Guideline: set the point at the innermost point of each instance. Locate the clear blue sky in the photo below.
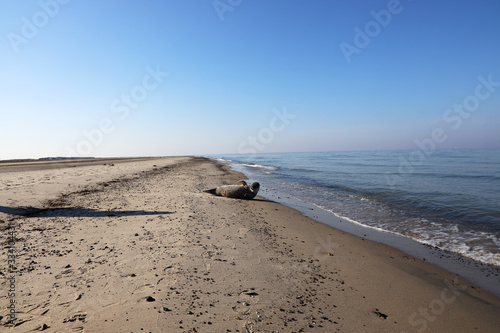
(76, 76)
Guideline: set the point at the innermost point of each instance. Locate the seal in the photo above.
(242, 191)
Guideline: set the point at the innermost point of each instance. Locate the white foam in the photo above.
(260, 166)
(463, 244)
(440, 239)
(354, 221)
(223, 160)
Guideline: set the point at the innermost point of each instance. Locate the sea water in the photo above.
(449, 199)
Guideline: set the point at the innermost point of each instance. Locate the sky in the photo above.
(201, 77)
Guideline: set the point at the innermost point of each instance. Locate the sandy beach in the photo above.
(135, 245)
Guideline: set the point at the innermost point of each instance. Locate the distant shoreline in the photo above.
(24, 160)
(57, 163)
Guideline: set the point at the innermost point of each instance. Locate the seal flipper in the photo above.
(211, 191)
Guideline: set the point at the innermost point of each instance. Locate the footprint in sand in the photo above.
(249, 299)
(119, 285)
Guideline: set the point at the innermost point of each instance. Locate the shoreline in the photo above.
(484, 275)
(139, 246)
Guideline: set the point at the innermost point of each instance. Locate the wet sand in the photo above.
(138, 247)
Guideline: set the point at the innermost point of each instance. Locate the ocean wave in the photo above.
(479, 246)
(259, 166)
(223, 160)
(435, 175)
(477, 252)
(304, 170)
(459, 176)
(351, 220)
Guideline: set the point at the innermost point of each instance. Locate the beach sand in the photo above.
(136, 246)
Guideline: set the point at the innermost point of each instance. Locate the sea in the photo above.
(447, 199)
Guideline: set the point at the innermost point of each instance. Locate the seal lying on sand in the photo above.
(236, 191)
